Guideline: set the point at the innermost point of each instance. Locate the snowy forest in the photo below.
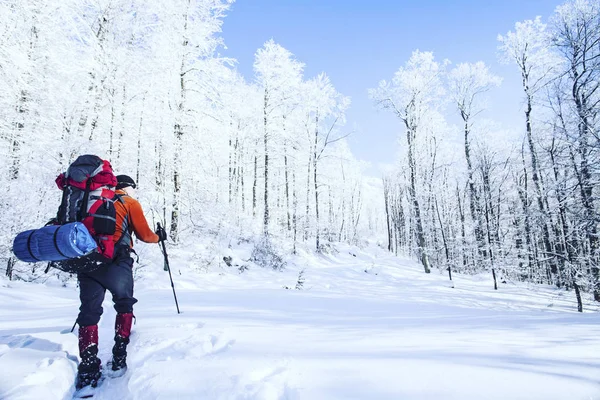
(526, 209)
(144, 85)
(145, 88)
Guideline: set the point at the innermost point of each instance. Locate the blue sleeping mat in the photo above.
(54, 243)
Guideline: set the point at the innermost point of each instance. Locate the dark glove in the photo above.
(53, 221)
(161, 233)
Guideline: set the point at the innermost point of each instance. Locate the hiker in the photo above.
(117, 277)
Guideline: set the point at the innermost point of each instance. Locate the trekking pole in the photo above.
(167, 268)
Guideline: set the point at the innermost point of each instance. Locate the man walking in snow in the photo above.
(117, 277)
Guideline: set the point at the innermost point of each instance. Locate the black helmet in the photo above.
(124, 181)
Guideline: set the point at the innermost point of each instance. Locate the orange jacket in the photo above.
(130, 218)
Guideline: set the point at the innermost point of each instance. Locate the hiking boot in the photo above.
(119, 360)
(122, 332)
(88, 370)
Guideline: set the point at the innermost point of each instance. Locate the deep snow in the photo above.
(367, 325)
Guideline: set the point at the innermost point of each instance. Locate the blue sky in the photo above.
(358, 43)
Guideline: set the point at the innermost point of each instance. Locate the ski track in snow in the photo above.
(367, 326)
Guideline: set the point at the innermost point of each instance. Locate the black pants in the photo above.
(117, 277)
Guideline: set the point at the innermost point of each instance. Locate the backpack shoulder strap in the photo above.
(120, 199)
(82, 213)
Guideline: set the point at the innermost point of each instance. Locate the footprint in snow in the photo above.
(212, 345)
(190, 346)
(266, 384)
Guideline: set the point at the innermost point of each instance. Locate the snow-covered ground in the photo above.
(367, 325)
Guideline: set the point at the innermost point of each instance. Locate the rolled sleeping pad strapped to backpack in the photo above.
(54, 243)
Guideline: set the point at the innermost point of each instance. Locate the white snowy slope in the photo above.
(391, 332)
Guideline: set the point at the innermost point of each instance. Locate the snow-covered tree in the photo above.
(414, 90)
(467, 84)
(279, 76)
(528, 48)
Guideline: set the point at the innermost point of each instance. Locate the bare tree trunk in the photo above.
(489, 239)
(578, 296)
(318, 245)
(230, 165)
(235, 176)
(18, 135)
(176, 183)
(446, 251)
(485, 167)
(399, 220)
(122, 125)
(519, 243)
(160, 176)
(286, 174)
(397, 239)
(306, 220)
(461, 214)
(265, 141)
(341, 235)
(331, 217)
(9, 267)
(473, 195)
(241, 175)
(254, 184)
(537, 183)
(358, 214)
(386, 195)
(112, 125)
(295, 213)
(412, 189)
(179, 131)
(524, 197)
(279, 191)
(287, 187)
(565, 247)
(158, 167)
(591, 219)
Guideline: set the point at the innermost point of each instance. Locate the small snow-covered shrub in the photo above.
(243, 267)
(328, 248)
(243, 240)
(299, 282)
(265, 255)
(34, 272)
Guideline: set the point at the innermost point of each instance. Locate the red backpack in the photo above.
(88, 197)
